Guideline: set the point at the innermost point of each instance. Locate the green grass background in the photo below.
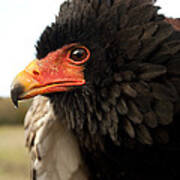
(14, 159)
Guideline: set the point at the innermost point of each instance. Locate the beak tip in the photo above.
(15, 101)
(16, 91)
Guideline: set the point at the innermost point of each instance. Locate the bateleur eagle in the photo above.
(108, 78)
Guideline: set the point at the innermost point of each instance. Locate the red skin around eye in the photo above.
(79, 62)
(56, 72)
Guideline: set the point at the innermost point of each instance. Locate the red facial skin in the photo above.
(56, 72)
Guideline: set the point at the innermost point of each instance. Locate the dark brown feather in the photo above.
(126, 116)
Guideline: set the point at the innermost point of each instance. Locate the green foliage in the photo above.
(9, 115)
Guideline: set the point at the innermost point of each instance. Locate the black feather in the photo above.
(126, 117)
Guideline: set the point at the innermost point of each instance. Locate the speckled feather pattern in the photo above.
(50, 159)
(126, 117)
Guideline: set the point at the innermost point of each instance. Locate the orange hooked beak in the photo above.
(55, 73)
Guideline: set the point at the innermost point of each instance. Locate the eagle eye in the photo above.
(79, 54)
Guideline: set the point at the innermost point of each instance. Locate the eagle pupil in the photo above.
(78, 54)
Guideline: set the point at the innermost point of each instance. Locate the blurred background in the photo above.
(22, 22)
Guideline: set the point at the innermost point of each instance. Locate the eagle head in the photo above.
(105, 65)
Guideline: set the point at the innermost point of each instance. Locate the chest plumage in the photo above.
(111, 75)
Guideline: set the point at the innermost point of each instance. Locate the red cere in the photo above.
(58, 67)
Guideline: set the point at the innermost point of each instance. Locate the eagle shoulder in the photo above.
(54, 150)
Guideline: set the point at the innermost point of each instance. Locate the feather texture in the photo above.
(53, 148)
(125, 119)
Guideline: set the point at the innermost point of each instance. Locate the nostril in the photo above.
(36, 73)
